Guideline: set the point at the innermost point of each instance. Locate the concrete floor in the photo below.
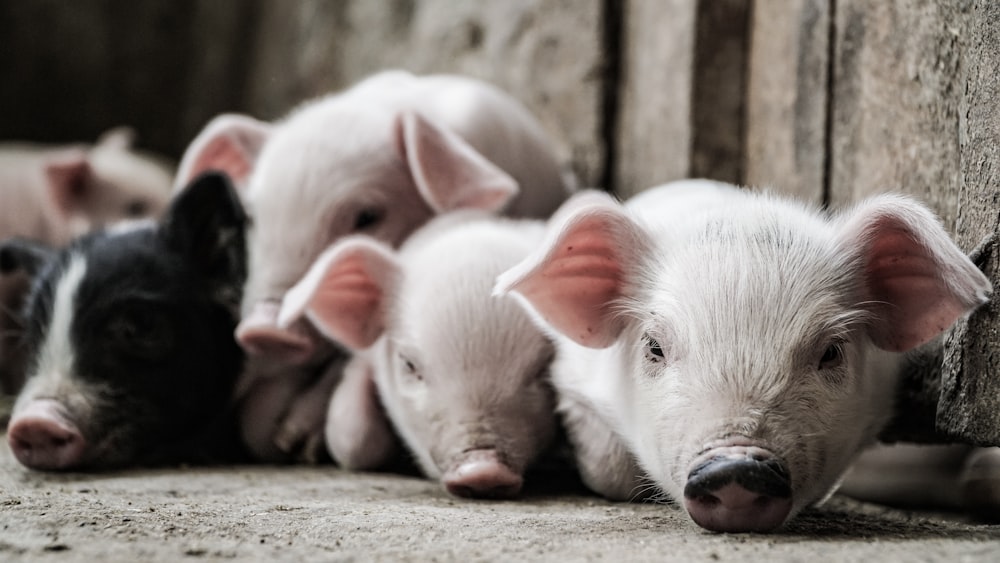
(322, 514)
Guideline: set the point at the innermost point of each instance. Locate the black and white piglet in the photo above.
(129, 336)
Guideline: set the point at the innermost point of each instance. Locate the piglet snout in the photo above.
(41, 437)
(739, 492)
(259, 335)
(481, 474)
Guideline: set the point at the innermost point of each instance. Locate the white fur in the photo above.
(54, 377)
(743, 292)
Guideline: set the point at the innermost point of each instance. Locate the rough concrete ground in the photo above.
(322, 514)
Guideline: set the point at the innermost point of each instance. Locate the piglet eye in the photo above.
(832, 357)
(367, 218)
(654, 352)
(410, 368)
(136, 208)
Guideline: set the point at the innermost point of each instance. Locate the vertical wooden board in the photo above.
(547, 53)
(970, 399)
(786, 100)
(653, 141)
(896, 91)
(718, 89)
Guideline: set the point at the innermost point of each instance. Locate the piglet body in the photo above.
(741, 348)
(462, 376)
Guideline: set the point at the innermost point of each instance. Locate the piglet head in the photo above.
(107, 183)
(130, 336)
(753, 346)
(461, 375)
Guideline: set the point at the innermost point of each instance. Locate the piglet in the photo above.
(380, 158)
(129, 337)
(463, 377)
(53, 194)
(741, 348)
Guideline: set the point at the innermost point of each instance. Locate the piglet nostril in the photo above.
(739, 495)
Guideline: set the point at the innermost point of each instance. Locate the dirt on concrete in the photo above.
(266, 513)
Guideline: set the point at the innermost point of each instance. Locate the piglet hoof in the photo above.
(484, 477)
(979, 484)
(726, 494)
(42, 438)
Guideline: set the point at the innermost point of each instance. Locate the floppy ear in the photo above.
(573, 281)
(206, 225)
(915, 280)
(448, 172)
(229, 143)
(345, 292)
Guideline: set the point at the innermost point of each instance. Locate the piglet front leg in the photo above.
(605, 465)
(359, 435)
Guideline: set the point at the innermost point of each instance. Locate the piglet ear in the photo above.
(344, 293)
(206, 224)
(447, 171)
(229, 143)
(575, 279)
(119, 138)
(70, 181)
(916, 281)
(23, 255)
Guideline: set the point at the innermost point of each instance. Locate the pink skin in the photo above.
(42, 437)
(258, 333)
(481, 474)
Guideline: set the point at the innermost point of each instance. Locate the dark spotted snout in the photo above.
(739, 492)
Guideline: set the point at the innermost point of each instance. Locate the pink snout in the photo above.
(739, 491)
(481, 474)
(41, 437)
(259, 335)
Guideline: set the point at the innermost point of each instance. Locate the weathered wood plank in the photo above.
(914, 110)
(970, 399)
(787, 98)
(680, 92)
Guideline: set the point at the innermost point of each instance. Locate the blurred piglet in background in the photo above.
(52, 194)
(741, 348)
(55, 193)
(463, 376)
(380, 159)
(129, 337)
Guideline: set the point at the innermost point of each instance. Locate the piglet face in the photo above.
(750, 376)
(469, 393)
(129, 336)
(754, 339)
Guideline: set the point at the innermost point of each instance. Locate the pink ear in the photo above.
(121, 138)
(447, 171)
(69, 175)
(344, 293)
(575, 279)
(230, 143)
(917, 281)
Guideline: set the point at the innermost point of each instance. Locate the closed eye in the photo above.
(367, 218)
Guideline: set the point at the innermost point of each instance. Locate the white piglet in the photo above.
(740, 347)
(463, 376)
(380, 159)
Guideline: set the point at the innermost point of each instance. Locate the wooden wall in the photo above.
(826, 100)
